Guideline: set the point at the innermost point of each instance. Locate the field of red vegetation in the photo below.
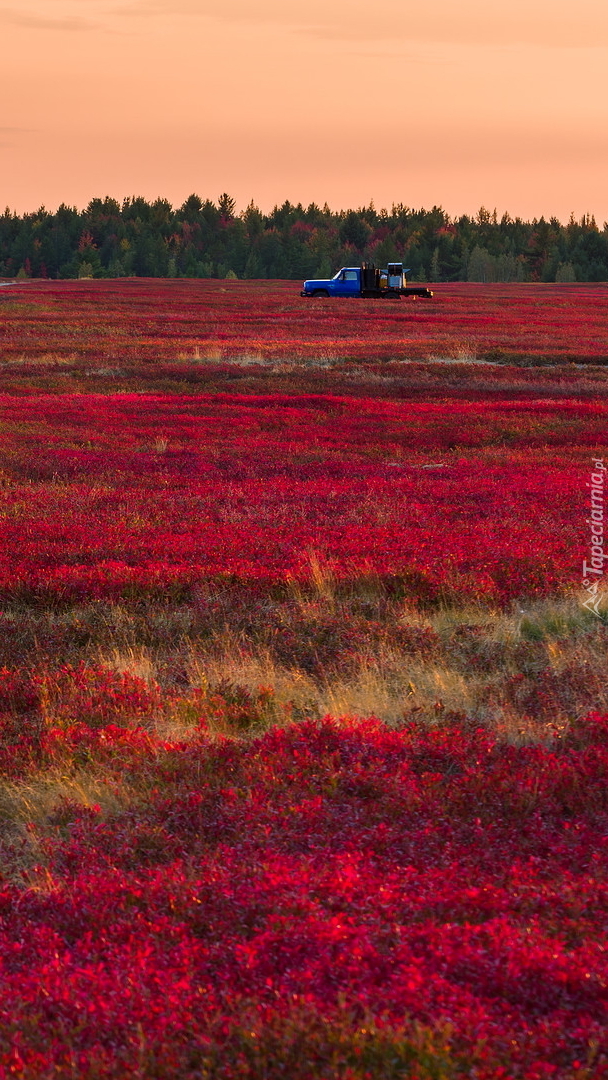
(205, 875)
(159, 320)
(114, 496)
(333, 900)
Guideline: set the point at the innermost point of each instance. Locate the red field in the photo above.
(123, 321)
(335, 900)
(116, 496)
(204, 875)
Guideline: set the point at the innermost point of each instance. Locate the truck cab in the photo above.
(347, 282)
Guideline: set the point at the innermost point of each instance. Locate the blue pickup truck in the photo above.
(365, 281)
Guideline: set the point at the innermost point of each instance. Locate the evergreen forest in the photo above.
(205, 238)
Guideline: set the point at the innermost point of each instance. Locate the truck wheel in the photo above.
(320, 292)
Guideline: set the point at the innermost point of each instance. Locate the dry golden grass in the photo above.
(37, 806)
(525, 674)
(326, 647)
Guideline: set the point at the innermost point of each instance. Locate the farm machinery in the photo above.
(366, 281)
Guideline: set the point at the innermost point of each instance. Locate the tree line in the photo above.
(203, 238)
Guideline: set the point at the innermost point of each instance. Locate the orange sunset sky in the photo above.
(451, 102)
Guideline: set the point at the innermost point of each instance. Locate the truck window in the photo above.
(350, 275)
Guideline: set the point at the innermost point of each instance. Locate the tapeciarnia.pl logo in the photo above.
(593, 571)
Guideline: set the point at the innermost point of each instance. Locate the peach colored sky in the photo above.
(452, 102)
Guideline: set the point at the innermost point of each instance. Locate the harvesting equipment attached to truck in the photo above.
(366, 281)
